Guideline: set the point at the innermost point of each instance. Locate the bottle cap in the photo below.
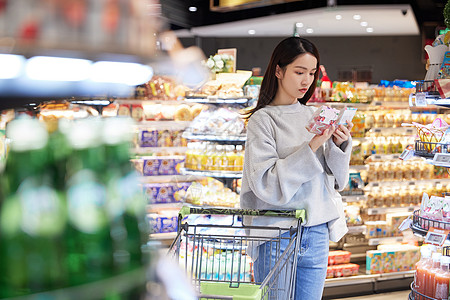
(26, 134)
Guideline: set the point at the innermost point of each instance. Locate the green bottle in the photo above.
(125, 199)
(88, 240)
(32, 216)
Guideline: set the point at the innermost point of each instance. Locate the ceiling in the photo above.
(328, 21)
(318, 18)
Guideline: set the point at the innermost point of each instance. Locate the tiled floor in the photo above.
(401, 295)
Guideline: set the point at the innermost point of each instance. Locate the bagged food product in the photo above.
(322, 119)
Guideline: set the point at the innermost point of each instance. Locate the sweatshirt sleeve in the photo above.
(272, 179)
(338, 162)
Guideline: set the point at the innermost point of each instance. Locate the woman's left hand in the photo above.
(342, 134)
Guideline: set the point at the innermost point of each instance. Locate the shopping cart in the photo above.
(218, 257)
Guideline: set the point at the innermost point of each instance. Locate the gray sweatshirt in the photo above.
(282, 172)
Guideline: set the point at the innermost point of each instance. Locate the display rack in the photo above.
(223, 139)
(427, 94)
(216, 100)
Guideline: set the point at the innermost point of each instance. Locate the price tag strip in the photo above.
(441, 159)
(436, 236)
(421, 99)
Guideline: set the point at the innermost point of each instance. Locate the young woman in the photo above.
(287, 167)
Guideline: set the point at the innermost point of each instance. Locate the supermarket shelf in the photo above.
(393, 130)
(168, 178)
(402, 182)
(217, 174)
(366, 284)
(388, 210)
(216, 100)
(169, 124)
(354, 198)
(428, 99)
(163, 236)
(358, 167)
(358, 279)
(156, 207)
(149, 150)
(383, 157)
(357, 229)
(149, 101)
(387, 240)
(214, 138)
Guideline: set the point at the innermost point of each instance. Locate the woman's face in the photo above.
(295, 80)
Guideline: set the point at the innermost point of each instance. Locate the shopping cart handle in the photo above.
(186, 210)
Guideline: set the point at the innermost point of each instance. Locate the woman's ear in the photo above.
(278, 72)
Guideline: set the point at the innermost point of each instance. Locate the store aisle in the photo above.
(399, 295)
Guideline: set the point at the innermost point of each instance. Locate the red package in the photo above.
(443, 86)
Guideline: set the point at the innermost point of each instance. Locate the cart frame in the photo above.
(216, 259)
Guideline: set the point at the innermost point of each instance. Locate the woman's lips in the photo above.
(303, 90)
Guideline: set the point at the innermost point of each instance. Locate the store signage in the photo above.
(436, 236)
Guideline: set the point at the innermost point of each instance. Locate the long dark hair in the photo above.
(284, 54)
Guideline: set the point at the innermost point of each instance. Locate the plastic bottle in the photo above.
(431, 272)
(442, 279)
(421, 269)
(239, 162)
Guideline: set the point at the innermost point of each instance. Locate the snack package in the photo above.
(346, 115)
(322, 119)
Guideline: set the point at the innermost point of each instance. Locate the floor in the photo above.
(400, 295)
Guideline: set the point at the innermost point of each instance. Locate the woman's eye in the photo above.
(299, 73)
(312, 74)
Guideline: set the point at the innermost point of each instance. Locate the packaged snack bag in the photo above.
(346, 115)
(322, 119)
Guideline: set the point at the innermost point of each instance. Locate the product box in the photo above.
(162, 223)
(155, 193)
(160, 165)
(373, 262)
(338, 257)
(343, 270)
(148, 138)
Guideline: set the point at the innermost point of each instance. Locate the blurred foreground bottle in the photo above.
(89, 244)
(32, 216)
(125, 202)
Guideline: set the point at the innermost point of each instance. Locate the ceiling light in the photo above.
(370, 29)
(11, 65)
(338, 17)
(299, 24)
(251, 31)
(356, 17)
(58, 68)
(309, 30)
(121, 72)
(192, 8)
(364, 24)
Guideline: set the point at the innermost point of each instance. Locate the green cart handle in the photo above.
(186, 210)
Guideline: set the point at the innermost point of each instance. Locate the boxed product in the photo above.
(159, 165)
(338, 257)
(391, 258)
(343, 270)
(155, 193)
(163, 222)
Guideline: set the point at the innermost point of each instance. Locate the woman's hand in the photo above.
(342, 134)
(319, 140)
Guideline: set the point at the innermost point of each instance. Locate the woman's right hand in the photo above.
(319, 140)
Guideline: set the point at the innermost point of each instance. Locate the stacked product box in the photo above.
(156, 193)
(339, 265)
(159, 165)
(392, 258)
